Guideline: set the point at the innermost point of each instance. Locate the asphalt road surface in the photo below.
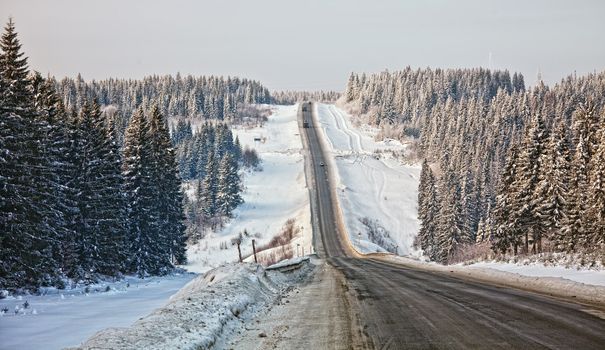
(403, 308)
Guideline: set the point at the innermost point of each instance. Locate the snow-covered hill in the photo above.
(377, 193)
(272, 196)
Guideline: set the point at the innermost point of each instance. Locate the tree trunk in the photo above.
(526, 245)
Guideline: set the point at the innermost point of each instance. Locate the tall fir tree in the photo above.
(28, 219)
(530, 167)
(549, 197)
(169, 199)
(139, 187)
(229, 186)
(428, 208)
(506, 233)
(596, 211)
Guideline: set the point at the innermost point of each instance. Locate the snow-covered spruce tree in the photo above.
(351, 89)
(181, 132)
(576, 228)
(450, 226)
(210, 189)
(506, 233)
(169, 199)
(98, 225)
(113, 212)
(229, 186)
(428, 208)
(469, 205)
(485, 228)
(549, 196)
(425, 174)
(574, 223)
(595, 240)
(56, 147)
(530, 167)
(140, 190)
(28, 216)
(586, 126)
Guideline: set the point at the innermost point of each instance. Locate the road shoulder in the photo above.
(318, 314)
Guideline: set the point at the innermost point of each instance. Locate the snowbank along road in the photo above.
(405, 308)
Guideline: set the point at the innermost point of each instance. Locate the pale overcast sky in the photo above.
(308, 44)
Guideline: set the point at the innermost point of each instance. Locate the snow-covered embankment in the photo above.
(205, 311)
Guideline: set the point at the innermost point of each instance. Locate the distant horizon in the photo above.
(528, 83)
(311, 47)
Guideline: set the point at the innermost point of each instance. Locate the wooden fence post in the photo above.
(254, 251)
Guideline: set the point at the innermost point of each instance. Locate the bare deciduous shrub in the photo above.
(472, 252)
(276, 255)
(379, 235)
(282, 239)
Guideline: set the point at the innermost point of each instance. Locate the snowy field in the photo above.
(271, 196)
(371, 183)
(62, 318)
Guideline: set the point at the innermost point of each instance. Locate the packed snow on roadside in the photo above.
(586, 276)
(377, 193)
(59, 318)
(271, 196)
(205, 311)
(582, 285)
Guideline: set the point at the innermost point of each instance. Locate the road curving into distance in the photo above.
(404, 308)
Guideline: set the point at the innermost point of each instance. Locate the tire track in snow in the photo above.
(349, 131)
(340, 129)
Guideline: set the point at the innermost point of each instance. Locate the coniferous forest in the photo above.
(512, 169)
(90, 172)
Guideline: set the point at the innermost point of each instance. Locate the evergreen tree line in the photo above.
(538, 186)
(552, 188)
(212, 140)
(203, 97)
(408, 97)
(211, 160)
(468, 122)
(72, 204)
(292, 97)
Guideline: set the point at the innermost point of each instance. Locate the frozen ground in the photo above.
(272, 196)
(373, 184)
(205, 311)
(63, 318)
